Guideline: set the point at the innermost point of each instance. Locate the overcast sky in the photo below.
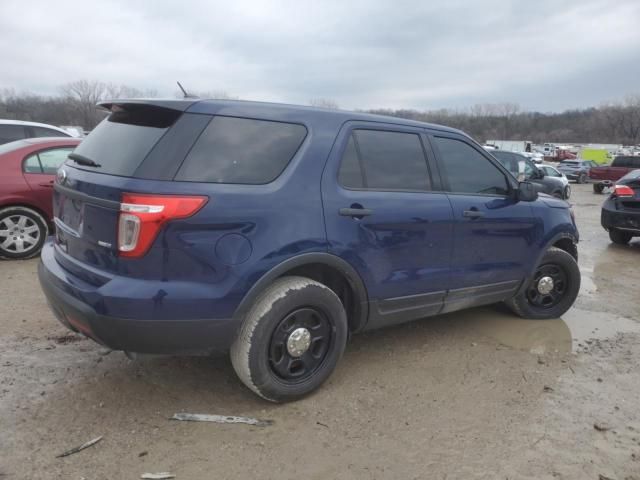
(546, 55)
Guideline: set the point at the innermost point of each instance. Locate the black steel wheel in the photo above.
(299, 344)
(551, 290)
(291, 339)
(548, 286)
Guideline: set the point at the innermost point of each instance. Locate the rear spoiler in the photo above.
(178, 105)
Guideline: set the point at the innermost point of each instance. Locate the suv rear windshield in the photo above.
(120, 143)
(151, 142)
(626, 161)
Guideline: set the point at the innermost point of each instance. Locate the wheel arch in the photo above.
(19, 204)
(325, 268)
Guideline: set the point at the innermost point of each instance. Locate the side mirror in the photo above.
(526, 192)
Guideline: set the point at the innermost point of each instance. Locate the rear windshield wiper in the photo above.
(82, 160)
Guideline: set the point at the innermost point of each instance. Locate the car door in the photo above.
(493, 233)
(39, 169)
(389, 219)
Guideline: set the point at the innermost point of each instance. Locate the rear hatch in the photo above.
(568, 166)
(135, 149)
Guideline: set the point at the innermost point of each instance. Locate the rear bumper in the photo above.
(65, 292)
(621, 220)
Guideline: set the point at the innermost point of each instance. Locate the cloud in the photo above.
(546, 55)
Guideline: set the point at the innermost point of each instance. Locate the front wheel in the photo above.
(597, 188)
(620, 237)
(552, 289)
(291, 340)
(567, 192)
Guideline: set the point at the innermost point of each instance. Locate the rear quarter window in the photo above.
(242, 151)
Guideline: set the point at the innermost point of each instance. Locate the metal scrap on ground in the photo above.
(157, 476)
(199, 417)
(80, 448)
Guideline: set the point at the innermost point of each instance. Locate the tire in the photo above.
(582, 178)
(534, 305)
(261, 355)
(23, 231)
(567, 192)
(620, 237)
(597, 188)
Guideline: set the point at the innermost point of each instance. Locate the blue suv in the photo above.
(277, 231)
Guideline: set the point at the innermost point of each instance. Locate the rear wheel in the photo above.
(291, 340)
(582, 178)
(552, 289)
(22, 232)
(619, 236)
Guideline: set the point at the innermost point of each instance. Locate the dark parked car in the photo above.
(27, 170)
(621, 211)
(577, 170)
(555, 186)
(276, 231)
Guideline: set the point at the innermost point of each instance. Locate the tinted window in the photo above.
(508, 160)
(391, 160)
(350, 174)
(468, 171)
(53, 158)
(10, 133)
(31, 164)
(240, 150)
(121, 141)
(48, 132)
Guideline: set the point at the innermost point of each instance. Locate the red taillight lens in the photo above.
(623, 191)
(142, 217)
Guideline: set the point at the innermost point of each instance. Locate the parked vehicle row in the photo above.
(554, 184)
(275, 231)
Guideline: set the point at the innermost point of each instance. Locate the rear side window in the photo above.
(468, 171)
(48, 132)
(241, 150)
(122, 141)
(31, 164)
(11, 133)
(381, 160)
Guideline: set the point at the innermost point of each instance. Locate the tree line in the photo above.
(615, 122)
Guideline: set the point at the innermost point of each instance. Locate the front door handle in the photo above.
(472, 214)
(355, 212)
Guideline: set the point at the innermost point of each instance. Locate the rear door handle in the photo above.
(472, 214)
(355, 212)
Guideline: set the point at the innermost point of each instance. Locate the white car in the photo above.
(12, 130)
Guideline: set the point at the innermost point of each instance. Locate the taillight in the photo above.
(622, 191)
(142, 217)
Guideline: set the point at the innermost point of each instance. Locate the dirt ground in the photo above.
(477, 394)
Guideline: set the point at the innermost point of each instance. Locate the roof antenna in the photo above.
(184, 92)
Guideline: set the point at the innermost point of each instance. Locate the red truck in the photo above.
(607, 175)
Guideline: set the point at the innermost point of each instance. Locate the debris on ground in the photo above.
(143, 454)
(66, 339)
(322, 424)
(604, 477)
(547, 389)
(80, 448)
(199, 417)
(601, 427)
(157, 476)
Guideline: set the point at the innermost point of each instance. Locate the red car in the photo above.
(27, 170)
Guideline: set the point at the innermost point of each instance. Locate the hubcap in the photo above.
(545, 285)
(549, 285)
(298, 342)
(18, 234)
